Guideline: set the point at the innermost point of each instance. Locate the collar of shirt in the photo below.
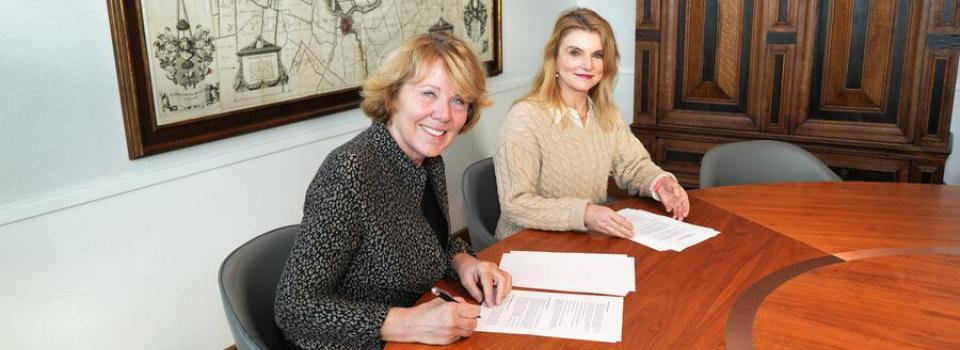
(412, 175)
(574, 115)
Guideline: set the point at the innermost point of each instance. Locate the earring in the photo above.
(556, 75)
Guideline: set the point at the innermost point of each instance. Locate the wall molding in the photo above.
(73, 197)
(124, 184)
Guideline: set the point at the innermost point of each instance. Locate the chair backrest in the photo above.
(761, 161)
(248, 283)
(483, 206)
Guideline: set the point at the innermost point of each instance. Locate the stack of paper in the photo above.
(587, 317)
(611, 274)
(663, 233)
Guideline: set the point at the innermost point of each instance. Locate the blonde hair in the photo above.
(545, 89)
(412, 61)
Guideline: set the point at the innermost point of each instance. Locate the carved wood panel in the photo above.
(866, 85)
(946, 15)
(865, 168)
(709, 48)
(861, 72)
(646, 68)
(777, 88)
(939, 67)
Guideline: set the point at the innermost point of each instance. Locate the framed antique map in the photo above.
(192, 71)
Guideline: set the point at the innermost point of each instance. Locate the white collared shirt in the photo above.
(574, 115)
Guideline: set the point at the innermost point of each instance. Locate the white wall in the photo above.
(951, 173)
(99, 252)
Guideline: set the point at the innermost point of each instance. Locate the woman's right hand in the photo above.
(435, 322)
(604, 220)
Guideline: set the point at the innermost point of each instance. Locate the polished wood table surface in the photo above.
(804, 265)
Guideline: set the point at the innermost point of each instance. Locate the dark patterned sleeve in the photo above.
(308, 308)
(457, 245)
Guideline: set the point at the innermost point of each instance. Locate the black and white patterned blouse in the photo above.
(364, 245)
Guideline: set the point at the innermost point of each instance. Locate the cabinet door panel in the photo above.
(861, 56)
(776, 87)
(646, 67)
(939, 75)
(708, 46)
(682, 158)
(866, 85)
(866, 168)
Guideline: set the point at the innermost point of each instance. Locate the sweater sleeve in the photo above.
(632, 167)
(517, 162)
(308, 307)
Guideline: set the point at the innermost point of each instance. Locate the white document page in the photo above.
(662, 233)
(573, 316)
(611, 274)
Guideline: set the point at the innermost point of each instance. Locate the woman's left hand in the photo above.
(674, 198)
(484, 280)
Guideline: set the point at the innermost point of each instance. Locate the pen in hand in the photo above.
(442, 294)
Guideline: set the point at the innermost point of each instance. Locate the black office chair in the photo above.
(248, 283)
(761, 161)
(483, 206)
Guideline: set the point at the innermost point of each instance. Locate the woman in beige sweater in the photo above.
(563, 140)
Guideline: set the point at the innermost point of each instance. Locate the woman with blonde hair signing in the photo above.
(375, 234)
(562, 141)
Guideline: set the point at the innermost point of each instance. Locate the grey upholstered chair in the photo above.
(483, 206)
(761, 161)
(248, 283)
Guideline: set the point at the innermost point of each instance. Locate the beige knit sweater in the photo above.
(548, 171)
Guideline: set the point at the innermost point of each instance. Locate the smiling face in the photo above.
(579, 62)
(427, 115)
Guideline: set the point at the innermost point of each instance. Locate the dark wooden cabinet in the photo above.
(866, 85)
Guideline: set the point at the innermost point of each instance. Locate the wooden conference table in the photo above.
(802, 265)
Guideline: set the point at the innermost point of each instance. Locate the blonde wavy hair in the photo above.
(546, 91)
(412, 61)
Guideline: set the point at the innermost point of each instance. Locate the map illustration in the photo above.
(208, 57)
